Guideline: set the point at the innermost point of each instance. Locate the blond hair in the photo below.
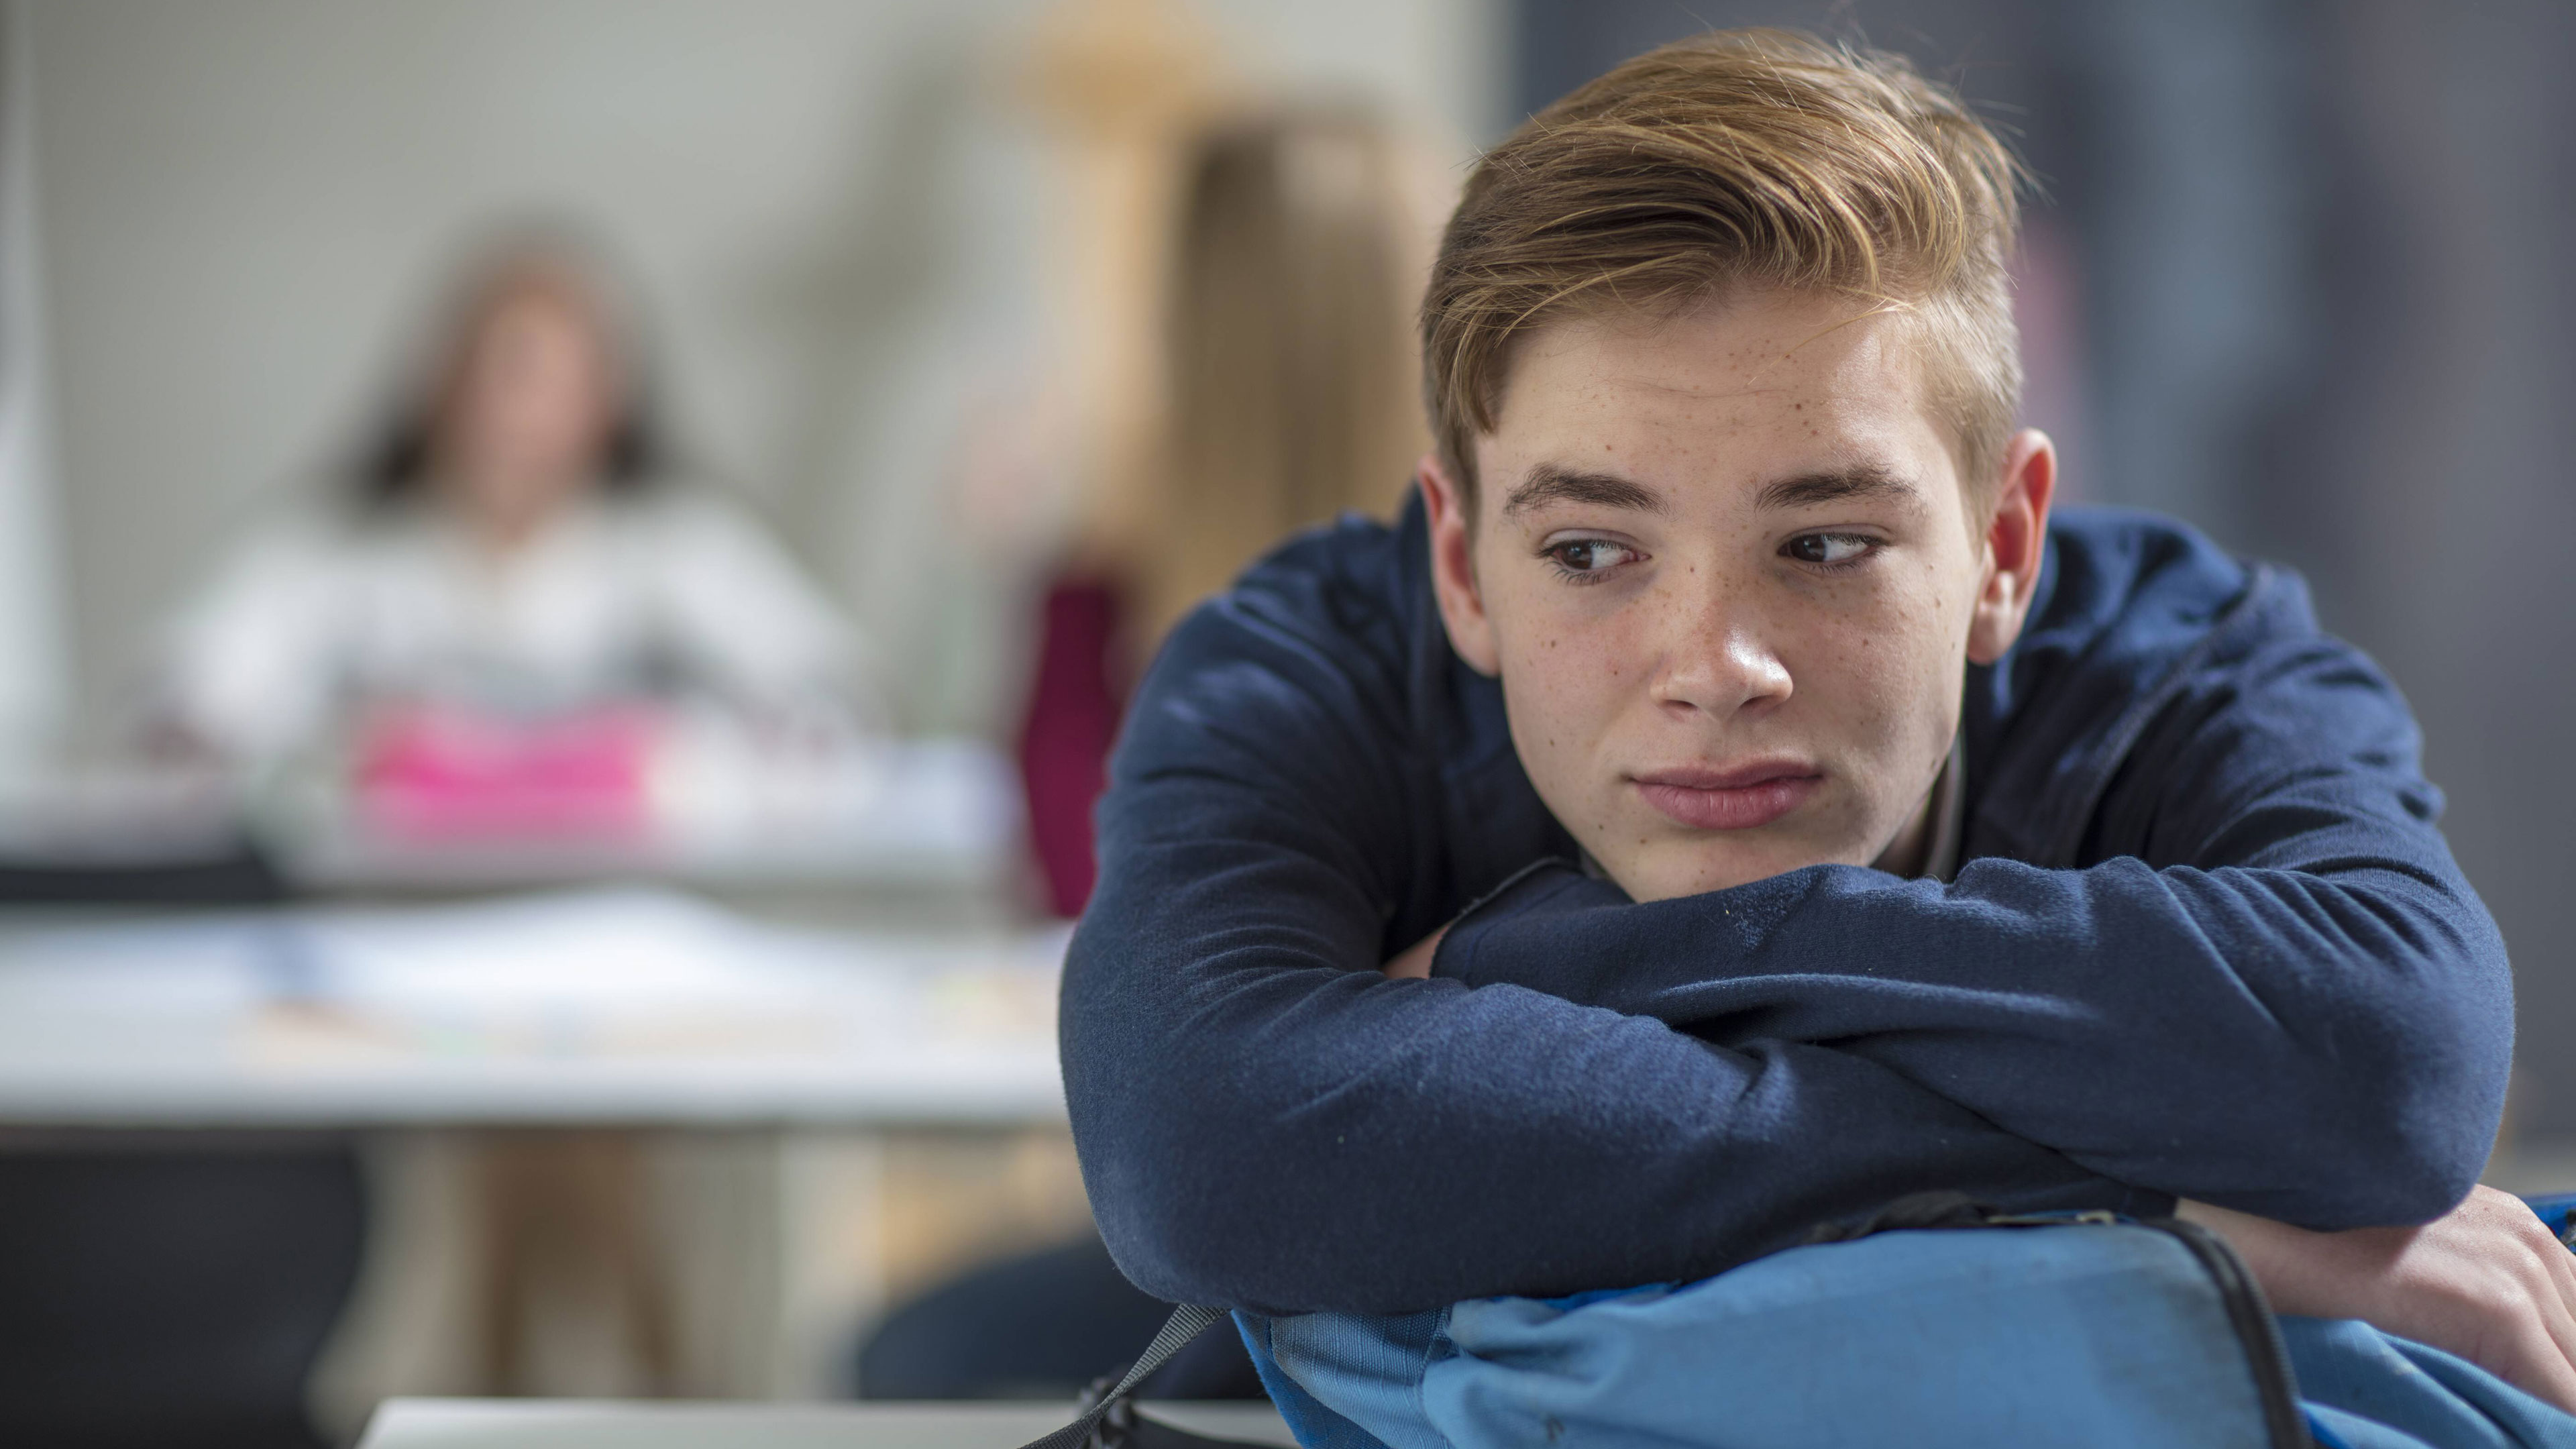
(1288, 344)
(1749, 158)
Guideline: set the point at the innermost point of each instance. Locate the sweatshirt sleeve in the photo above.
(2287, 1000)
(1266, 1123)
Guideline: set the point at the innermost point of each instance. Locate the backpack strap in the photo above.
(1186, 1323)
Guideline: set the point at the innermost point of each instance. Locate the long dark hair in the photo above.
(394, 466)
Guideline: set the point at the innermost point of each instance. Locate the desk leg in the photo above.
(568, 1225)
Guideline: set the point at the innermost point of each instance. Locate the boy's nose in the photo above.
(1721, 670)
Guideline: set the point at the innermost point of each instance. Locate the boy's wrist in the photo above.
(2485, 1281)
(1414, 962)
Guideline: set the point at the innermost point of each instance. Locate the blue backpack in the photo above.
(1938, 1323)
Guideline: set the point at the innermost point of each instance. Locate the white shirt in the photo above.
(676, 592)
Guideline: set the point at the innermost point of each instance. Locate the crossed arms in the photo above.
(2285, 1002)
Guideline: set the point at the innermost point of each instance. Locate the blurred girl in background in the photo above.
(519, 621)
(1289, 395)
(515, 591)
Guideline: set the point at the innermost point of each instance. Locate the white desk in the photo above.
(602, 1008)
(539, 1424)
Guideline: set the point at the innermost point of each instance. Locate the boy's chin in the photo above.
(1668, 870)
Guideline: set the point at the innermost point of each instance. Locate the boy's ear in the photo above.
(2016, 542)
(1453, 566)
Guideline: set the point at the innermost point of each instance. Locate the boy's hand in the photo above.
(1415, 962)
(2486, 1282)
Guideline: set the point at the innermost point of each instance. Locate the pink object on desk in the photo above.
(443, 774)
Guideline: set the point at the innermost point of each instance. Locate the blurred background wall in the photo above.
(832, 208)
(32, 677)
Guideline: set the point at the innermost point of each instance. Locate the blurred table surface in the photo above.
(888, 824)
(603, 1007)
(543, 1424)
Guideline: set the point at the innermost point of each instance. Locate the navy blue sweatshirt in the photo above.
(2206, 942)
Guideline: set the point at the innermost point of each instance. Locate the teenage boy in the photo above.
(1819, 822)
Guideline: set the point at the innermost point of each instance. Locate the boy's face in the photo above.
(1727, 572)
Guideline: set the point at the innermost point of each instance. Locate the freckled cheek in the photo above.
(1872, 671)
(1566, 683)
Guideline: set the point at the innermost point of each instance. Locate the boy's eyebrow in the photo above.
(1555, 483)
(1862, 480)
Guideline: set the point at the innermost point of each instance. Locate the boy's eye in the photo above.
(1828, 548)
(1590, 555)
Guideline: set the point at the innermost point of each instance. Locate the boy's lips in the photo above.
(1738, 797)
